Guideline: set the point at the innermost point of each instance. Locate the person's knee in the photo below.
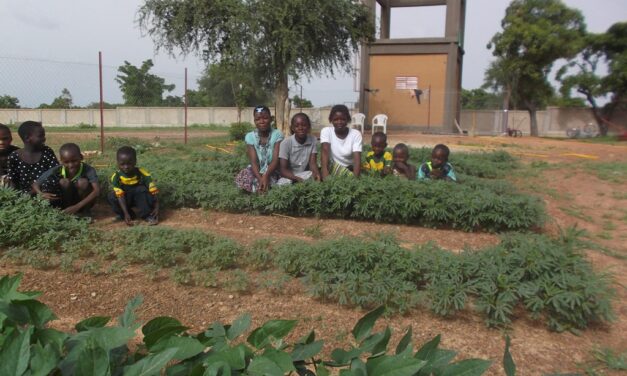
(82, 184)
(65, 183)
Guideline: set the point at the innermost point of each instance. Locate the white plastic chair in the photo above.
(358, 121)
(380, 120)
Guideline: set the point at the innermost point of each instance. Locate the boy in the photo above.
(5, 149)
(133, 187)
(297, 153)
(378, 161)
(400, 167)
(438, 167)
(73, 186)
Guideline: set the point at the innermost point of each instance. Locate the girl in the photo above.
(28, 164)
(262, 147)
(297, 153)
(341, 145)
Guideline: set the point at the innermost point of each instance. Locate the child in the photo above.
(133, 187)
(262, 147)
(378, 161)
(5, 149)
(297, 153)
(75, 182)
(438, 167)
(400, 167)
(341, 146)
(26, 165)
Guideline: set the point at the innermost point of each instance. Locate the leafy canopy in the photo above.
(7, 101)
(140, 87)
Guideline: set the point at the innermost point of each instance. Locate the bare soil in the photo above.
(573, 195)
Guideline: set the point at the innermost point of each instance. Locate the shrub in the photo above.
(238, 131)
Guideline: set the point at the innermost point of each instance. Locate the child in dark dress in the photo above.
(28, 164)
(5, 149)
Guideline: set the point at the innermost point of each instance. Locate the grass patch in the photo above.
(576, 212)
(614, 172)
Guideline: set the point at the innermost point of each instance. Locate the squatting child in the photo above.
(72, 186)
(262, 147)
(5, 149)
(297, 153)
(28, 164)
(133, 187)
(400, 165)
(378, 160)
(438, 167)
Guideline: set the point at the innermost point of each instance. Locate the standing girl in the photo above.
(28, 164)
(341, 145)
(262, 147)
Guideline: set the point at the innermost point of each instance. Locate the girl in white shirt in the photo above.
(341, 145)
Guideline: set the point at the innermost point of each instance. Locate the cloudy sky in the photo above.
(51, 45)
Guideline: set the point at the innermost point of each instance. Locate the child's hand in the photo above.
(71, 209)
(316, 177)
(128, 220)
(263, 183)
(49, 196)
(155, 212)
(387, 170)
(437, 173)
(401, 166)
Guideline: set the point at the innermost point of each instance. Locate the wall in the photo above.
(552, 122)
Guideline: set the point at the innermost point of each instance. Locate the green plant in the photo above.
(314, 231)
(238, 281)
(260, 255)
(238, 131)
(29, 347)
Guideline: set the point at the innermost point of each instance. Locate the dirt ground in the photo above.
(574, 196)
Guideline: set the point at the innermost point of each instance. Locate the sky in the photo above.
(54, 44)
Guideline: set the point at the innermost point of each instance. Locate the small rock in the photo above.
(231, 296)
(93, 294)
(73, 297)
(241, 221)
(251, 228)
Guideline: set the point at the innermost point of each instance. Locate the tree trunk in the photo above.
(282, 109)
(603, 128)
(506, 97)
(533, 119)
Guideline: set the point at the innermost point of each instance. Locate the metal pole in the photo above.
(186, 106)
(429, 110)
(101, 103)
(301, 98)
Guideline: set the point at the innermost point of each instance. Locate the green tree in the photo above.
(535, 34)
(480, 99)
(140, 87)
(7, 101)
(62, 101)
(276, 39)
(301, 102)
(613, 45)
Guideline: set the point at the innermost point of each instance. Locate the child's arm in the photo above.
(127, 216)
(36, 187)
(411, 172)
(265, 178)
(254, 163)
(356, 163)
(313, 167)
(91, 197)
(324, 159)
(284, 168)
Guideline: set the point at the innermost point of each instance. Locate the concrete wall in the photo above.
(551, 122)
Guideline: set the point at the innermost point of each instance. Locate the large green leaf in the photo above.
(394, 366)
(303, 352)
(271, 330)
(264, 366)
(163, 333)
(187, 347)
(508, 361)
(51, 337)
(404, 346)
(342, 357)
(25, 312)
(358, 368)
(93, 361)
(239, 326)
(8, 289)
(364, 326)
(158, 323)
(128, 318)
(43, 359)
(218, 369)
(468, 367)
(92, 322)
(381, 346)
(427, 350)
(281, 358)
(438, 361)
(235, 357)
(150, 365)
(15, 353)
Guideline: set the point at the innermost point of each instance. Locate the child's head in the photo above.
(32, 133)
(126, 158)
(71, 157)
(5, 137)
(262, 118)
(400, 154)
(339, 116)
(439, 155)
(300, 125)
(378, 143)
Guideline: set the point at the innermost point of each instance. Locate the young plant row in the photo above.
(549, 278)
(205, 179)
(98, 347)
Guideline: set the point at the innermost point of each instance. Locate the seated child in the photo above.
(340, 151)
(133, 187)
(378, 161)
(5, 149)
(297, 153)
(73, 185)
(28, 164)
(400, 167)
(438, 167)
(262, 147)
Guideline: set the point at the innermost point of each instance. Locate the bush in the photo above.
(238, 131)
